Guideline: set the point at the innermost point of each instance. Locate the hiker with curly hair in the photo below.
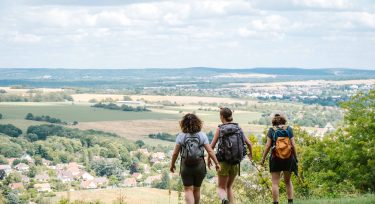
(283, 158)
(190, 144)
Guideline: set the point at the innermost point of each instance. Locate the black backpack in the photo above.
(231, 147)
(192, 150)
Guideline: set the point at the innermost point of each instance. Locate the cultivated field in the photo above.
(131, 195)
(23, 91)
(70, 112)
(139, 129)
(131, 125)
(156, 98)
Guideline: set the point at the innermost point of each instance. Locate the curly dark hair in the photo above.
(190, 123)
(278, 120)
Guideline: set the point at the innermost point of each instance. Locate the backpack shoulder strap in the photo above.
(220, 135)
(195, 135)
(199, 139)
(184, 140)
(286, 128)
(273, 129)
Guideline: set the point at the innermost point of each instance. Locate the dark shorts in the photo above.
(277, 165)
(193, 175)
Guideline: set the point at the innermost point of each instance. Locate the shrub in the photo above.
(10, 130)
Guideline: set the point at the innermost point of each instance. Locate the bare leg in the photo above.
(230, 189)
(189, 195)
(197, 195)
(222, 188)
(288, 184)
(275, 186)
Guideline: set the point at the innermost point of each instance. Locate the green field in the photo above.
(80, 112)
(123, 123)
(241, 117)
(84, 113)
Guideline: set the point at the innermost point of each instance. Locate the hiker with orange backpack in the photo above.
(283, 156)
(231, 151)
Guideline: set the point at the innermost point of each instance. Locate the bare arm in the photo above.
(213, 144)
(266, 150)
(248, 143)
(211, 153)
(216, 137)
(175, 153)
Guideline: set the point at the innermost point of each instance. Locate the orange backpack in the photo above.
(282, 147)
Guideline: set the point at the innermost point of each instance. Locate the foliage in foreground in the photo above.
(337, 165)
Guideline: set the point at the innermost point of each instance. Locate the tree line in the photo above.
(163, 136)
(113, 106)
(36, 97)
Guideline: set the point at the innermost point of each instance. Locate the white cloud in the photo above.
(80, 17)
(362, 19)
(25, 38)
(325, 4)
(270, 23)
(144, 11)
(115, 18)
(314, 5)
(193, 32)
(273, 26)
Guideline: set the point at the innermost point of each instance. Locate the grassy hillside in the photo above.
(131, 195)
(365, 199)
(155, 196)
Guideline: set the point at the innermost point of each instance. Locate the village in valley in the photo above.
(45, 177)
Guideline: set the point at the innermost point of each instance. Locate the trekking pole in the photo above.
(261, 176)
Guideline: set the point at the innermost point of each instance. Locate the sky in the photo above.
(182, 33)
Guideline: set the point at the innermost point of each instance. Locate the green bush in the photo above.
(10, 130)
(10, 149)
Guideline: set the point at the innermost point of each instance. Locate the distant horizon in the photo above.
(199, 67)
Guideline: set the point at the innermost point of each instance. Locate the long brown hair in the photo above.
(190, 123)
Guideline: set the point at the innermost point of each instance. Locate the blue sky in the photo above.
(179, 33)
